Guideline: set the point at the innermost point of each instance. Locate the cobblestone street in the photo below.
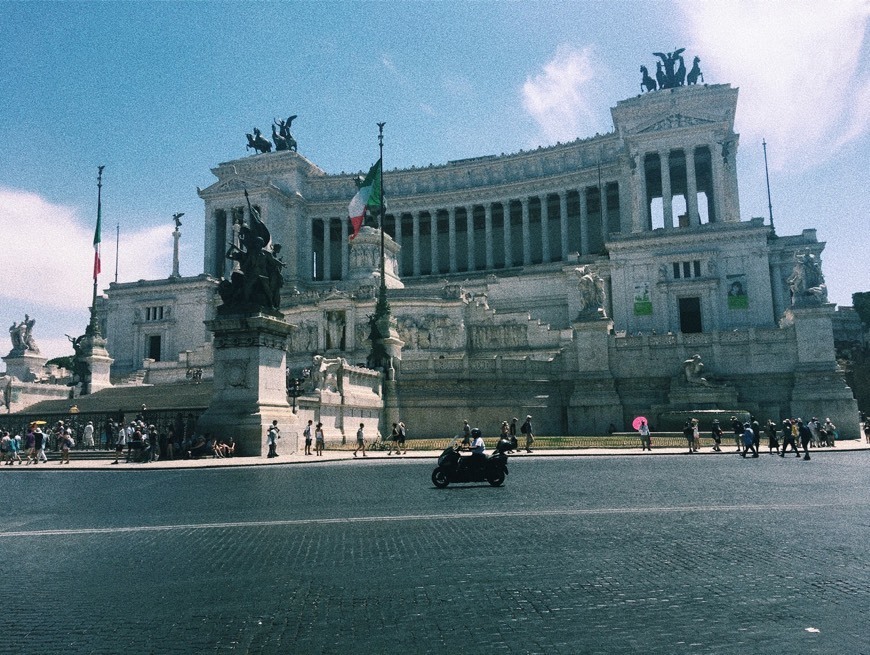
(572, 555)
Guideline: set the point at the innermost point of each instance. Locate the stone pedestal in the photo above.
(365, 259)
(24, 365)
(820, 387)
(250, 388)
(594, 404)
(93, 351)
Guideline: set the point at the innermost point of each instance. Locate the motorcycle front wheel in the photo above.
(439, 478)
(496, 478)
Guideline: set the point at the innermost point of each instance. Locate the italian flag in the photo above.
(369, 195)
(97, 245)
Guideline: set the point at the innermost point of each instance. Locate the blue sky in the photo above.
(161, 92)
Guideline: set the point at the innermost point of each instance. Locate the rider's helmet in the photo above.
(475, 433)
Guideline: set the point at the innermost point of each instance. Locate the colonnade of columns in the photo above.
(681, 172)
(482, 236)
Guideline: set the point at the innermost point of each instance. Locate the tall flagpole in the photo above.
(767, 177)
(93, 328)
(382, 293)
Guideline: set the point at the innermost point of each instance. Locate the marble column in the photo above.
(469, 233)
(527, 236)
(345, 250)
(415, 237)
(506, 227)
(691, 188)
(603, 210)
(776, 287)
(327, 250)
(563, 223)
(487, 217)
(397, 222)
(718, 183)
(451, 238)
(584, 222)
(236, 268)
(667, 198)
(433, 242)
(640, 204)
(545, 228)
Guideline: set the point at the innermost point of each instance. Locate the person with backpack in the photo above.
(526, 429)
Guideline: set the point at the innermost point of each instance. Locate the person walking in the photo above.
(806, 436)
(403, 434)
(696, 435)
(307, 434)
(772, 441)
(737, 427)
(526, 429)
(466, 433)
(716, 432)
(748, 441)
(788, 439)
(645, 443)
(14, 450)
(319, 440)
(272, 437)
(360, 441)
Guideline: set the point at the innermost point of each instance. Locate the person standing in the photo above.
(513, 431)
(14, 448)
(272, 437)
(319, 440)
(689, 435)
(526, 429)
(402, 436)
(307, 434)
(466, 433)
(716, 432)
(696, 435)
(394, 438)
(88, 436)
(66, 442)
(737, 427)
(120, 442)
(644, 437)
(360, 441)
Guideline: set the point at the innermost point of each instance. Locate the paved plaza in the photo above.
(571, 555)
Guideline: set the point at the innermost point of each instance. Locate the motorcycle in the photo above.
(453, 467)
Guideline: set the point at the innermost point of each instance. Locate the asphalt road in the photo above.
(571, 555)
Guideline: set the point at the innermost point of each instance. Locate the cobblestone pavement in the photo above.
(583, 555)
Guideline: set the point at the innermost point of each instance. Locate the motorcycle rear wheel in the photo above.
(439, 478)
(496, 479)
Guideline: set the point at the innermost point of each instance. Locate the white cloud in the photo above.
(799, 68)
(49, 253)
(563, 98)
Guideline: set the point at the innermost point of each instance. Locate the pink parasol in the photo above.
(636, 422)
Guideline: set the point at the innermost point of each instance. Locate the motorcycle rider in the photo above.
(478, 448)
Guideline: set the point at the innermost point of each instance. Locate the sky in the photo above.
(159, 93)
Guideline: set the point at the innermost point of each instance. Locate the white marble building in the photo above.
(485, 289)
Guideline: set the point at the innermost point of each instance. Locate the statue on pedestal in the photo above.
(807, 283)
(591, 287)
(257, 284)
(692, 369)
(22, 337)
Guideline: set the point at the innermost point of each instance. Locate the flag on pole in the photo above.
(97, 244)
(368, 195)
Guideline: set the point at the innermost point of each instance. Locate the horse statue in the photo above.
(647, 81)
(284, 134)
(695, 73)
(280, 141)
(680, 75)
(258, 142)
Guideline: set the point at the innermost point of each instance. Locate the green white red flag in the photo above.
(368, 196)
(97, 244)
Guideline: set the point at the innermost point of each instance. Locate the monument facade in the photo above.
(570, 282)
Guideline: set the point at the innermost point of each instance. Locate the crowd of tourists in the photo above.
(748, 436)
